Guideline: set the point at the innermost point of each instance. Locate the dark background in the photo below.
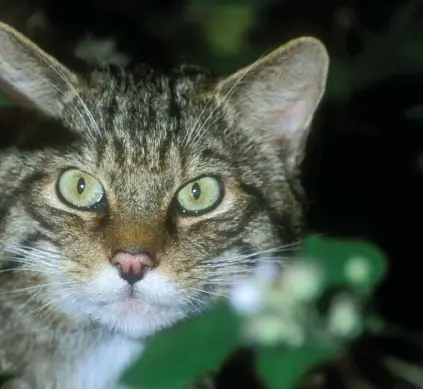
(364, 169)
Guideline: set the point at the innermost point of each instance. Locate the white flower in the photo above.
(247, 297)
(344, 317)
(302, 281)
(357, 270)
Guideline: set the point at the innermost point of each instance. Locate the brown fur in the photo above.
(144, 136)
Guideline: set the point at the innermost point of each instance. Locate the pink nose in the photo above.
(133, 266)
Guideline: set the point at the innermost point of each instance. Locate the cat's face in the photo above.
(163, 189)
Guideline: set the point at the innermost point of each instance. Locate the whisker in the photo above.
(56, 88)
(19, 269)
(240, 257)
(247, 271)
(235, 272)
(30, 248)
(44, 306)
(218, 117)
(88, 113)
(239, 270)
(186, 139)
(28, 260)
(192, 300)
(34, 287)
(222, 281)
(206, 292)
(31, 254)
(194, 140)
(34, 266)
(222, 262)
(19, 254)
(25, 249)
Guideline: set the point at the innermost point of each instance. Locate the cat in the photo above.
(125, 191)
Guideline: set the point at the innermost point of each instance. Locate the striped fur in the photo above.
(67, 320)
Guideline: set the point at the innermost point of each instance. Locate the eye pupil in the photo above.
(196, 191)
(80, 185)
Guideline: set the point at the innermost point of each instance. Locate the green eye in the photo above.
(200, 196)
(80, 189)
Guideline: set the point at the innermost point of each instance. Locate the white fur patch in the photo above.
(153, 303)
(102, 366)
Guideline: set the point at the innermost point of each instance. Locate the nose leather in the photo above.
(132, 266)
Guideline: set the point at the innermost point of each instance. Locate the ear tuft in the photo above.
(278, 95)
(30, 76)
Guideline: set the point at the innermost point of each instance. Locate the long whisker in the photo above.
(29, 260)
(186, 139)
(240, 257)
(29, 248)
(19, 269)
(63, 76)
(27, 255)
(194, 140)
(193, 300)
(31, 257)
(35, 287)
(206, 292)
(244, 260)
(202, 132)
(56, 88)
(54, 301)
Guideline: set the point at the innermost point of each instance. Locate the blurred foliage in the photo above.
(396, 50)
(3, 100)
(221, 35)
(289, 310)
(215, 332)
(226, 28)
(225, 36)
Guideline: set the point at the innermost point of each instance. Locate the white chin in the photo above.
(138, 319)
(156, 303)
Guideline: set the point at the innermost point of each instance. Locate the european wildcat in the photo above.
(119, 190)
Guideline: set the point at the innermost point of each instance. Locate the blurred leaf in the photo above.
(282, 368)
(396, 50)
(224, 25)
(177, 356)
(3, 101)
(339, 79)
(227, 29)
(409, 372)
(346, 261)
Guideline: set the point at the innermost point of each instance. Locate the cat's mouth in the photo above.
(131, 299)
(129, 306)
(137, 310)
(128, 303)
(129, 295)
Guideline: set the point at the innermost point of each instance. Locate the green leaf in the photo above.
(225, 26)
(177, 356)
(347, 261)
(282, 368)
(227, 30)
(3, 101)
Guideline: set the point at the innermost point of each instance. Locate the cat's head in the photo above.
(139, 197)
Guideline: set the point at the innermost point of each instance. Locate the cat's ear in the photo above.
(277, 96)
(30, 77)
